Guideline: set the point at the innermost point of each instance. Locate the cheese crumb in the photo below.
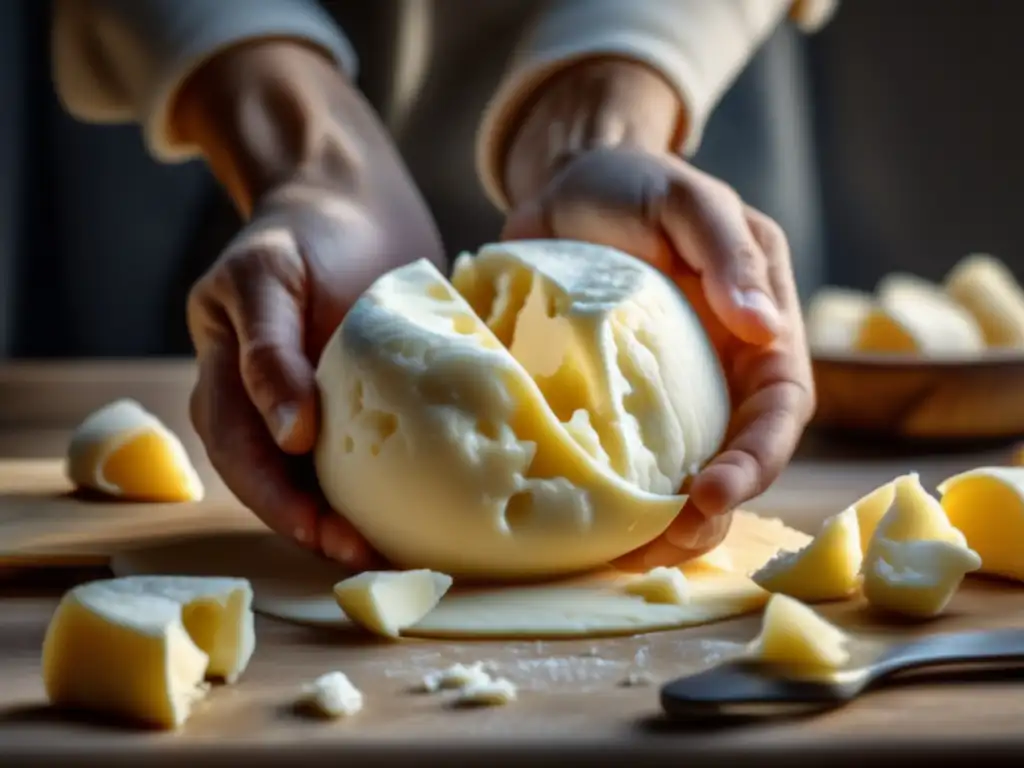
(331, 695)
(490, 693)
(456, 676)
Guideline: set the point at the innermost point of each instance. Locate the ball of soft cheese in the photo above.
(535, 416)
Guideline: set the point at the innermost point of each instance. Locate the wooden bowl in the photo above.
(977, 398)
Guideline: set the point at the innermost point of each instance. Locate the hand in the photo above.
(733, 264)
(260, 317)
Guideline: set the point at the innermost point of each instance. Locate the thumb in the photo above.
(266, 306)
(710, 231)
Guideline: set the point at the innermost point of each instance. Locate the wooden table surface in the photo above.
(571, 703)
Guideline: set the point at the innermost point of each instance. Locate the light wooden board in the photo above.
(571, 701)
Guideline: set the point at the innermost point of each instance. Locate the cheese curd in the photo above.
(534, 416)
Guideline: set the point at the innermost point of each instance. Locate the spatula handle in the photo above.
(955, 648)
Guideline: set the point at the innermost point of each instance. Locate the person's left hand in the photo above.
(733, 264)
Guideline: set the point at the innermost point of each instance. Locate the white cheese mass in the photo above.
(536, 415)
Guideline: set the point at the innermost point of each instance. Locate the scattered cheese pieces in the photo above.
(490, 693)
(386, 602)
(795, 636)
(870, 510)
(124, 451)
(826, 569)
(456, 676)
(916, 578)
(987, 506)
(141, 647)
(660, 585)
(332, 695)
(915, 515)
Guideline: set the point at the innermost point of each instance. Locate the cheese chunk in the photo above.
(492, 693)
(332, 695)
(793, 635)
(140, 647)
(826, 569)
(870, 510)
(124, 451)
(913, 316)
(456, 676)
(990, 292)
(660, 585)
(916, 578)
(987, 506)
(533, 417)
(915, 515)
(386, 602)
(834, 317)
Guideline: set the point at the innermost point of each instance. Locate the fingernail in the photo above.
(685, 538)
(759, 302)
(285, 417)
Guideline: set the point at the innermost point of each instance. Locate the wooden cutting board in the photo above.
(571, 701)
(42, 522)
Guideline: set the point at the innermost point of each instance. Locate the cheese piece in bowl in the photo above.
(991, 293)
(834, 317)
(534, 416)
(913, 316)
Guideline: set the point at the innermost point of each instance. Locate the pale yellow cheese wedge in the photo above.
(141, 647)
(916, 578)
(915, 515)
(793, 635)
(914, 317)
(826, 569)
(989, 291)
(124, 451)
(987, 505)
(386, 602)
(331, 696)
(870, 510)
(834, 317)
(660, 585)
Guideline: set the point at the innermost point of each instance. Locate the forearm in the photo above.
(269, 112)
(126, 60)
(696, 48)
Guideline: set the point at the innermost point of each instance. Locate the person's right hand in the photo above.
(332, 208)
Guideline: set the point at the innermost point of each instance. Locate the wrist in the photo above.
(598, 103)
(269, 112)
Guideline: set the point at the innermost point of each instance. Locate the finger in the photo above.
(770, 424)
(263, 293)
(689, 536)
(527, 222)
(251, 465)
(707, 225)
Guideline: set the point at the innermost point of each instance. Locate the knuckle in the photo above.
(259, 363)
(767, 230)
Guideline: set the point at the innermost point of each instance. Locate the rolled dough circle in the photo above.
(293, 585)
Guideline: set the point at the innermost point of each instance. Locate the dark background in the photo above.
(917, 146)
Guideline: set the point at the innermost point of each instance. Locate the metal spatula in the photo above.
(743, 688)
